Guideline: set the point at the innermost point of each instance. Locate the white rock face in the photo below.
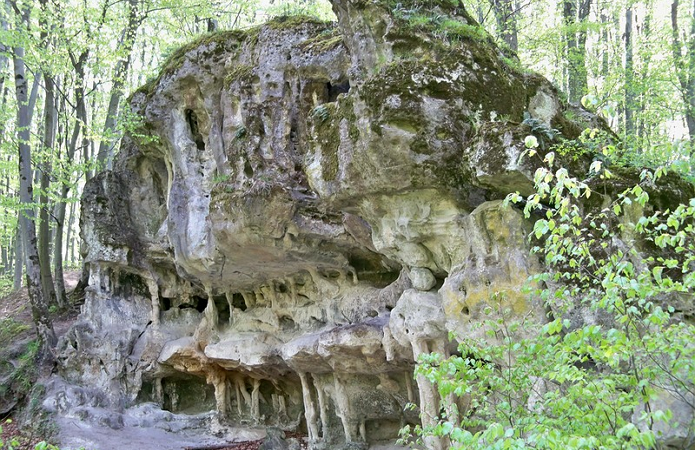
(312, 215)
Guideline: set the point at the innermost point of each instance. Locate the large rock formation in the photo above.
(302, 210)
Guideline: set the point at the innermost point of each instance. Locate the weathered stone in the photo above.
(270, 253)
(422, 278)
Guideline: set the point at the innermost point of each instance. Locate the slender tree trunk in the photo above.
(61, 295)
(39, 306)
(604, 44)
(645, 123)
(70, 238)
(3, 60)
(50, 122)
(505, 16)
(629, 76)
(18, 255)
(685, 67)
(10, 257)
(60, 209)
(6, 257)
(91, 151)
(574, 14)
(5, 260)
(44, 238)
(108, 139)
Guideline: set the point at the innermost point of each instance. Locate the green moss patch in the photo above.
(9, 328)
(324, 42)
(289, 22)
(240, 72)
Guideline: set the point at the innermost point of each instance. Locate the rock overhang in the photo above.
(310, 207)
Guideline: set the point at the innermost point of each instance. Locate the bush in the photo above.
(14, 443)
(606, 382)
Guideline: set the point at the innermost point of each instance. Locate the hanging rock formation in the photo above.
(301, 210)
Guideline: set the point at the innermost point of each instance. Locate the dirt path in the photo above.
(16, 306)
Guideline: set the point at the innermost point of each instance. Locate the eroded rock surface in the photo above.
(305, 208)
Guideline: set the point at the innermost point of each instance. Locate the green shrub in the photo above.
(14, 442)
(581, 384)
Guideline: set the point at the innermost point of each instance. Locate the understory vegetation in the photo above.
(613, 366)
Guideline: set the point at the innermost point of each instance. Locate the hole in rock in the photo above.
(197, 303)
(130, 284)
(282, 288)
(158, 184)
(332, 274)
(146, 393)
(187, 395)
(192, 120)
(371, 269)
(238, 301)
(200, 303)
(341, 87)
(464, 310)
(248, 170)
(287, 324)
(222, 307)
(164, 303)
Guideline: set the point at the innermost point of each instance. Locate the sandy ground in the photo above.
(75, 435)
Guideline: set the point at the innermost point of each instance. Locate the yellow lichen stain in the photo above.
(471, 302)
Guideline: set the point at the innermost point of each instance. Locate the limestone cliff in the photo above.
(303, 209)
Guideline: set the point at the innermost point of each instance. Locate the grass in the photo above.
(6, 286)
(9, 328)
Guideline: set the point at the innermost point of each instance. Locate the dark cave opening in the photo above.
(197, 303)
(334, 90)
(238, 301)
(164, 303)
(192, 120)
(130, 284)
(223, 312)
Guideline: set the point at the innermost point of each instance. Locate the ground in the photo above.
(18, 371)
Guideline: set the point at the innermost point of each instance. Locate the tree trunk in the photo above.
(574, 14)
(5, 260)
(685, 69)
(70, 239)
(61, 295)
(644, 129)
(10, 256)
(108, 139)
(505, 16)
(18, 255)
(61, 205)
(44, 238)
(39, 306)
(50, 122)
(629, 77)
(3, 60)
